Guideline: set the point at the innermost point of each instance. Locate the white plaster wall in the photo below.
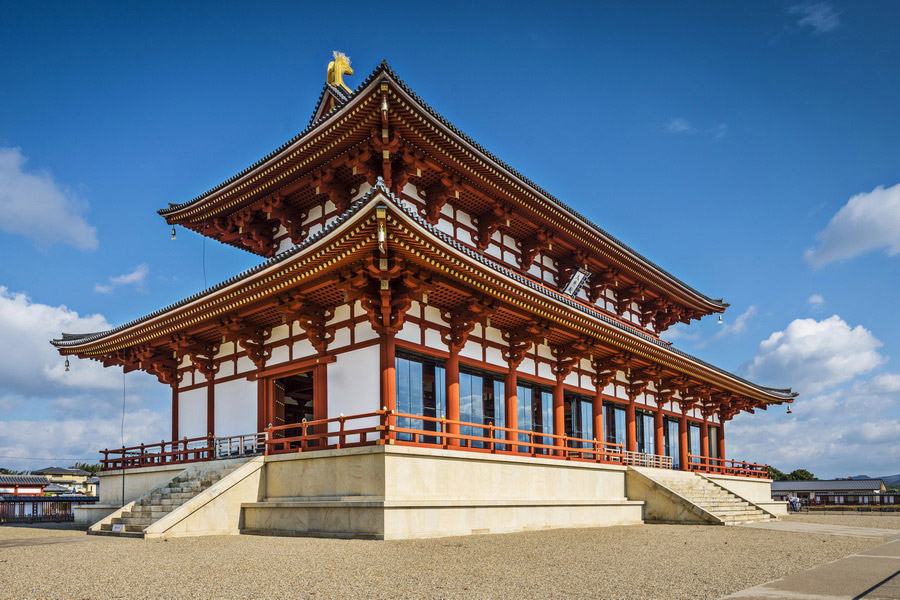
(279, 355)
(192, 413)
(354, 385)
(236, 406)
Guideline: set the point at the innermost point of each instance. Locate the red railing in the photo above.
(726, 466)
(391, 427)
(434, 432)
(187, 450)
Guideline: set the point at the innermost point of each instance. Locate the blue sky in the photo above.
(724, 141)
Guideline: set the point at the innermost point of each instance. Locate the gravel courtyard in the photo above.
(646, 561)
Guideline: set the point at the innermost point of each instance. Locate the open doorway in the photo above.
(294, 400)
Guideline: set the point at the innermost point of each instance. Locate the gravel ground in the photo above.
(644, 561)
(879, 521)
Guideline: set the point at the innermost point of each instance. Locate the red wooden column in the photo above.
(722, 442)
(683, 441)
(388, 379)
(704, 441)
(451, 375)
(175, 411)
(210, 407)
(659, 437)
(597, 417)
(510, 388)
(559, 414)
(631, 425)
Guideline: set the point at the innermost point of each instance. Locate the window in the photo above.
(694, 441)
(481, 400)
(579, 419)
(421, 389)
(614, 419)
(646, 438)
(714, 442)
(671, 441)
(535, 414)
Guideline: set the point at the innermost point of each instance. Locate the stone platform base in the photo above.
(394, 492)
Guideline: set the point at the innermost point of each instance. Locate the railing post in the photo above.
(341, 438)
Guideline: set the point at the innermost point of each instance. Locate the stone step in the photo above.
(126, 528)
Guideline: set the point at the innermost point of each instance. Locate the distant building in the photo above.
(92, 485)
(73, 480)
(835, 491)
(22, 485)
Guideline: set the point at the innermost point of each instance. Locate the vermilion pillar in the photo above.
(559, 414)
(388, 373)
(211, 408)
(683, 442)
(597, 415)
(722, 443)
(451, 369)
(175, 412)
(659, 437)
(630, 426)
(510, 384)
(704, 441)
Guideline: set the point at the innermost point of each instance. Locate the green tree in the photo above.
(93, 469)
(776, 474)
(801, 475)
(5, 471)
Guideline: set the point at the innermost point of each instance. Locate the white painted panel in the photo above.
(185, 362)
(245, 365)
(226, 369)
(363, 189)
(192, 413)
(610, 390)
(354, 385)
(364, 333)
(341, 313)
(411, 191)
(526, 366)
(410, 332)
(494, 250)
(463, 236)
(447, 209)
(534, 270)
(471, 350)
(464, 218)
(279, 333)
(284, 244)
(433, 315)
(236, 407)
(198, 377)
(545, 371)
(445, 226)
(329, 207)
(549, 278)
(315, 229)
(279, 355)
(303, 349)
(493, 334)
(544, 351)
(186, 380)
(572, 379)
(433, 339)
(409, 204)
(341, 339)
(510, 242)
(586, 382)
(495, 357)
(226, 349)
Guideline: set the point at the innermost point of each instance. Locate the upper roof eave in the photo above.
(68, 341)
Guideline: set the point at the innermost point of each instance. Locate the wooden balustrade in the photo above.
(391, 427)
(726, 466)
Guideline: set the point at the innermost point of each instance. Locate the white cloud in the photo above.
(34, 205)
(850, 430)
(29, 365)
(137, 277)
(740, 323)
(720, 130)
(869, 221)
(811, 356)
(679, 125)
(50, 412)
(821, 17)
(816, 300)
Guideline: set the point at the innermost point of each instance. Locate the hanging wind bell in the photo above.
(67, 364)
(173, 232)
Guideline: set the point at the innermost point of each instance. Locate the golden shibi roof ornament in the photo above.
(337, 68)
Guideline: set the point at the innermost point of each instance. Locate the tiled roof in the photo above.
(73, 339)
(60, 470)
(827, 485)
(22, 480)
(386, 69)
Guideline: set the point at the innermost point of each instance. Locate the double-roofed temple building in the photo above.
(433, 345)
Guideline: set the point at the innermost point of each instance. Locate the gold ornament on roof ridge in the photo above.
(337, 68)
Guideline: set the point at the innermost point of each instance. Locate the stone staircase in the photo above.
(704, 499)
(161, 501)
